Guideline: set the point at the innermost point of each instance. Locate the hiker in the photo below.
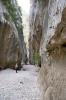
(16, 67)
(26, 60)
(19, 65)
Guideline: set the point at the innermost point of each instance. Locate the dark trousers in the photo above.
(16, 70)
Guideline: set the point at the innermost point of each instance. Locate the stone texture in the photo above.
(52, 48)
(8, 45)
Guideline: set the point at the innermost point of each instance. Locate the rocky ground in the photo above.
(19, 86)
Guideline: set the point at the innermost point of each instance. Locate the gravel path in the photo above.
(19, 86)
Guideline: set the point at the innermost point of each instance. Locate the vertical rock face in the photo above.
(10, 47)
(52, 48)
(36, 24)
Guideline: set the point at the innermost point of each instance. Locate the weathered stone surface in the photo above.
(9, 45)
(53, 49)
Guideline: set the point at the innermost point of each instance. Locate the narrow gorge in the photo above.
(46, 65)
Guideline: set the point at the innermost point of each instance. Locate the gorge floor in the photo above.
(19, 86)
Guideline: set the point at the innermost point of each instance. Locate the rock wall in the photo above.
(19, 26)
(10, 47)
(52, 48)
(36, 24)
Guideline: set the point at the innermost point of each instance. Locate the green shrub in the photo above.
(40, 0)
(36, 58)
(11, 9)
(7, 17)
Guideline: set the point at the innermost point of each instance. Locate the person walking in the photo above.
(16, 67)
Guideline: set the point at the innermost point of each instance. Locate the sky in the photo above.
(25, 5)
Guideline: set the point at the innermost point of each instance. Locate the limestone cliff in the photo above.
(36, 23)
(10, 42)
(52, 46)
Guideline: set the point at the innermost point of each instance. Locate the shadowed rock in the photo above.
(11, 46)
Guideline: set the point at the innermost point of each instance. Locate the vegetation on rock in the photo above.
(15, 14)
(36, 58)
(11, 9)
